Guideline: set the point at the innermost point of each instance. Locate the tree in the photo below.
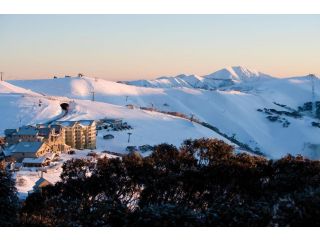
(202, 183)
(8, 200)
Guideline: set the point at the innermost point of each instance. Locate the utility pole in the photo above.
(129, 134)
(1, 76)
(92, 92)
(192, 117)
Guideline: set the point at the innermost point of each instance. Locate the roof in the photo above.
(112, 120)
(41, 180)
(33, 160)
(45, 132)
(27, 130)
(42, 159)
(66, 123)
(28, 147)
(8, 132)
(87, 122)
(41, 125)
(6, 152)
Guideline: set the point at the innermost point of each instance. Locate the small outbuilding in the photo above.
(39, 162)
(41, 183)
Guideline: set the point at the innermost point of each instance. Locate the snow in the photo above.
(27, 177)
(238, 74)
(18, 110)
(233, 109)
(148, 127)
(221, 78)
(227, 99)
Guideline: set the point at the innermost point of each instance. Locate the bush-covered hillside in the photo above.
(203, 183)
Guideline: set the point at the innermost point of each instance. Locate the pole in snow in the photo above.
(92, 96)
(129, 134)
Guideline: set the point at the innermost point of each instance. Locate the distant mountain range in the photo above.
(226, 77)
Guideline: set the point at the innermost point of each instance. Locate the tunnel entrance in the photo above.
(64, 106)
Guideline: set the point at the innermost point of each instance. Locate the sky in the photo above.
(127, 47)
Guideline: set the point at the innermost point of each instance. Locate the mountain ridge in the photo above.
(233, 76)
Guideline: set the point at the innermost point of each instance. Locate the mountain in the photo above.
(6, 87)
(148, 127)
(261, 115)
(225, 77)
(238, 74)
(308, 77)
(244, 107)
(182, 80)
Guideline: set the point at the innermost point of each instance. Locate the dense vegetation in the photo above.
(8, 199)
(203, 183)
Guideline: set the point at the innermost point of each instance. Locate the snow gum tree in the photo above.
(202, 183)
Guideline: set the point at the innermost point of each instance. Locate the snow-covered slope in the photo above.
(231, 108)
(182, 80)
(6, 87)
(148, 127)
(20, 106)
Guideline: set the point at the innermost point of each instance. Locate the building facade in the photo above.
(23, 150)
(79, 134)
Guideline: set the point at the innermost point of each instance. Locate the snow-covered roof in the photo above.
(27, 130)
(112, 120)
(41, 180)
(26, 147)
(33, 160)
(45, 132)
(86, 122)
(66, 123)
(8, 132)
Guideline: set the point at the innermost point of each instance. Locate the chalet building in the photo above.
(23, 150)
(22, 134)
(113, 122)
(39, 162)
(53, 136)
(79, 134)
(41, 183)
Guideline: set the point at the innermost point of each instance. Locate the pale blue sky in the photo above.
(120, 47)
